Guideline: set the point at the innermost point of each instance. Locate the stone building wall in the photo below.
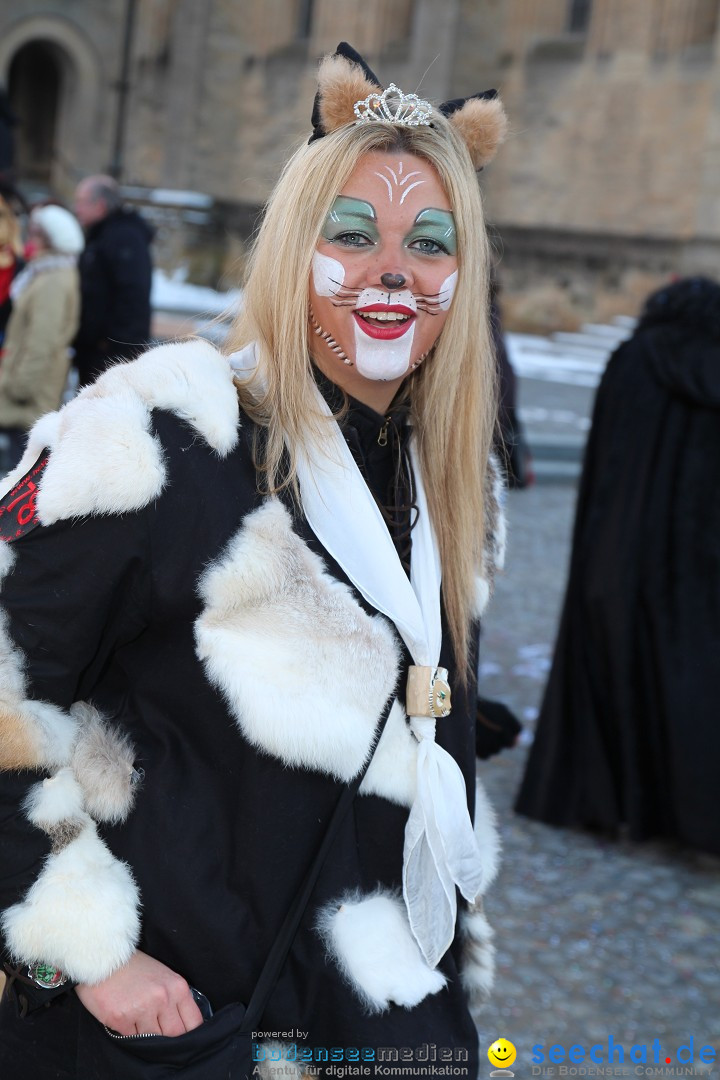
(610, 179)
(604, 126)
(614, 110)
(219, 91)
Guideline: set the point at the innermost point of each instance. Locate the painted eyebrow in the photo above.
(346, 206)
(431, 216)
(438, 224)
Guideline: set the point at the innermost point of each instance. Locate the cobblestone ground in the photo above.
(594, 939)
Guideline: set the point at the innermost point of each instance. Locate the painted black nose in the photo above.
(393, 281)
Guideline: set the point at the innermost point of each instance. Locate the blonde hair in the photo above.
(453, 398)
(10, 237)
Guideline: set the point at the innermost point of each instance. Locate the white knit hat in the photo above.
(62, 230)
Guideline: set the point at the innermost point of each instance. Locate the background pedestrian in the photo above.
(115, 278)
(45, 314)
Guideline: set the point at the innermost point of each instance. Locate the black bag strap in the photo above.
(286, 935)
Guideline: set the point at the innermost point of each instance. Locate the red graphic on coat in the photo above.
(18, 514)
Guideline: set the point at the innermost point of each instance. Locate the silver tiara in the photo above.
(394, 106)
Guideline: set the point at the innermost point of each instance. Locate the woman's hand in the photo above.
(143, 997)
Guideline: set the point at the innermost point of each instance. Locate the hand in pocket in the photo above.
(143, 997)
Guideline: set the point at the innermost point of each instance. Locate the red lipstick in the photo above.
(384, 329)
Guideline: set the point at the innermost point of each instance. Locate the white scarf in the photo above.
(441, 850)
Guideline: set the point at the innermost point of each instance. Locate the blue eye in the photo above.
(429, 247)
(351, 239)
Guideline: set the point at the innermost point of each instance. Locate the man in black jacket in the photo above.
(115, 278)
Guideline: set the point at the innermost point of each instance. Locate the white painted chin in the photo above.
(383, 360)
(378, 359)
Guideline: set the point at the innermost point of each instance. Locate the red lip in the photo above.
(384, 331)
(401, 309)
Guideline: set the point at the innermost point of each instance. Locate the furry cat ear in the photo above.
(481, 123)
(343, 79)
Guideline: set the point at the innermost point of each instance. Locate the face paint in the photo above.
(447, 291)
(390, 226)
(436, 227)
(348, 215)
(328, 275)
(396, 180)
(383, 346)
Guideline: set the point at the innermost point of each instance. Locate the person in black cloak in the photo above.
(628, 732)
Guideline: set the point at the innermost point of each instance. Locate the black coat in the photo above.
(208, 624)
(115, 281)
(628, 730)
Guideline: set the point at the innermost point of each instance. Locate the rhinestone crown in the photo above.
(394, 106)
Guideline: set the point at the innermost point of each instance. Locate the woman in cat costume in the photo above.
(222, 580)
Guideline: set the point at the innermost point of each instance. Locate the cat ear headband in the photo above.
(350, 92)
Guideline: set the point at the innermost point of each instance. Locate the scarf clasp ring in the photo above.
(428, 691)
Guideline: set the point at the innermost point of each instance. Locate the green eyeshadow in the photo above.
(350, 215)
(438, 225)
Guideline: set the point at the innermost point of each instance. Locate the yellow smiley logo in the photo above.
(502, 1053)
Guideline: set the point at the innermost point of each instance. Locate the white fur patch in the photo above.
(487, 835)
(191, 379)
(477, 968)
(12, 679)
(127, 475)
(482, 595)
(45, 731)
(393, 769)
(495, 539)
(56, 731)
(54, 800)
(304, 670)
(103, 764)
(43, 434)
(498, 496)
(7, 558)
(371, 942)
(80, 915)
